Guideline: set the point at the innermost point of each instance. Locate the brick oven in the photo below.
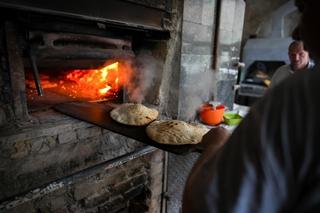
(101, 51)
(155, 52)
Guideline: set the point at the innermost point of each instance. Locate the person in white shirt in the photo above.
(299, 60)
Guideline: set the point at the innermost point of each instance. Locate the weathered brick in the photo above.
(60, 192)
(97, 199)
(154, 206)
(193, 32)
(58, 203)
(192, 10)
(88, 189)
(133, 192)
(98, 185)
(156, 189)
(63, 210)
(50, 116)
(115, 204)
(126, 180)
(88, 132)
(191, 68)
(49, 143)
(22, 149)
(67, 137)
(26, 207)
(207, 12)
(81, 125)
(81, 191)
(141, 179)
(227, 19)
(115, 177)
(44, 204)
(120, 188)
(106, 131)
(156, 169)
(196, 48)
(36, 144)
(35, 132)
(135, 169)
(157, 156)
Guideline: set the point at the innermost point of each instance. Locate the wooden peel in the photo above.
(99, 114)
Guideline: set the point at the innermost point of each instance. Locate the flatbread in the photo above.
(134, 114)
(176, 132)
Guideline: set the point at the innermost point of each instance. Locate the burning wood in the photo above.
(84, 84)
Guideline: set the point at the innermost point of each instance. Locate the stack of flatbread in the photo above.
(134, 114)
(176, 132)
(172, 132)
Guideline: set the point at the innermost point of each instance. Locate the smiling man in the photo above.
(299, 60)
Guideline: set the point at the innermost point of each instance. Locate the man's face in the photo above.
(299, 58)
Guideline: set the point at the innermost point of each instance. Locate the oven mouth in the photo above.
(101, 83)
(64, 67)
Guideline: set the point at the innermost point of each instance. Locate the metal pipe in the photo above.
(35, 72)
(164, 204)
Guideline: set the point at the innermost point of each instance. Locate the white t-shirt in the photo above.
(285, 71)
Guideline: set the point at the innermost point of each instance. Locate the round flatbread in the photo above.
(176, 132)
(134, 114)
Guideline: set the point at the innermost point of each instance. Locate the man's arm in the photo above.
(203, 188)
(212, 143)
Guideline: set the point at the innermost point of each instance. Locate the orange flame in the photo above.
(95, 83)
(86, 84)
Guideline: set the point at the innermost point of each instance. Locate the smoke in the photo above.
(144, 76)
(196, 90)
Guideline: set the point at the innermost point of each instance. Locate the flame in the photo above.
(95, 83)
(86, 84)
(104, 90)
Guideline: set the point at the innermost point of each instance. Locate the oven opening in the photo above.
(261, 70)
(257, 80)
(104, 82)
(81, 68)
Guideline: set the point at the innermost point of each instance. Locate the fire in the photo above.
(104, 90)
(87, 84)
(95, 83)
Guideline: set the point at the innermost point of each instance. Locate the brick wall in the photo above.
(196, 56)
(134, 186)
(47, 160)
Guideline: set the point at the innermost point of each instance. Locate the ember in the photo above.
(84, 84)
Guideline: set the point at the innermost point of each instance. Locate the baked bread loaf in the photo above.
(134, 114)
(176, 132)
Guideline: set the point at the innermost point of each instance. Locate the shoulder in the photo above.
(297, 95)
(311, 64)
(283, 68)
(280, 74)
